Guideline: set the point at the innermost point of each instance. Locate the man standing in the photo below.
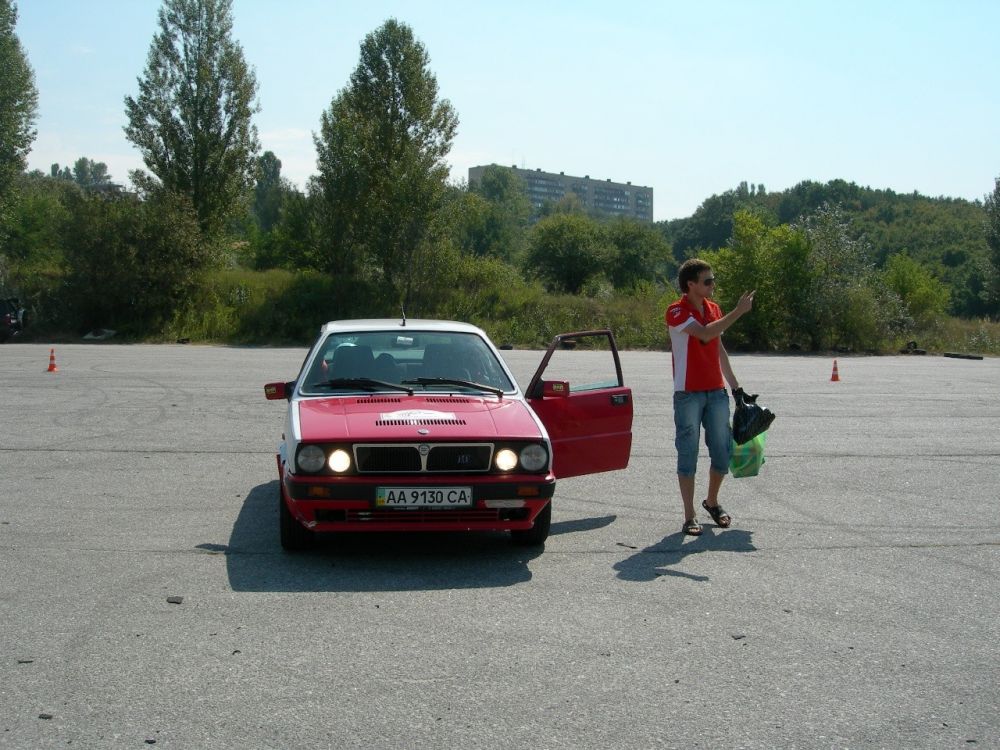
(700, 362)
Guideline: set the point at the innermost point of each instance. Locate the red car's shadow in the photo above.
(371, 561)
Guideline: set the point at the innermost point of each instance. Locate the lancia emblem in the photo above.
(425, 449)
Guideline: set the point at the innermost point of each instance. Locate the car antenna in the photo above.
(403, 310)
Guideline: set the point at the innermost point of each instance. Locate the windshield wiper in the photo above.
(365, 384)
(462, 383)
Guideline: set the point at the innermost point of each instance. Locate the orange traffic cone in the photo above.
(52, 361)
(836, 375)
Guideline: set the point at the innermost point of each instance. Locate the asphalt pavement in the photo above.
(144, 599)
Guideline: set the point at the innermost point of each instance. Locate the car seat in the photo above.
(442, 361)
(352, 361)
(386, 368)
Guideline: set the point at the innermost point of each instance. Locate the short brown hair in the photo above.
(689, 271)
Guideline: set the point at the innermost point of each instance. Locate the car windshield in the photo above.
(433, 361)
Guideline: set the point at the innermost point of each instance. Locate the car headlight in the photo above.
(534, 457)
(340, 461)
(311, 458)
(505, 459)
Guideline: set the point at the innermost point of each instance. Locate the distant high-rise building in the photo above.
(605, 196)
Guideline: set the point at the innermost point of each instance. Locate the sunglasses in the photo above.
(709, 281)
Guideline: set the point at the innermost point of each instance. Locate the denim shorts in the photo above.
(692, 409)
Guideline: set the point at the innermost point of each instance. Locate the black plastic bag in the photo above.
(750, 419)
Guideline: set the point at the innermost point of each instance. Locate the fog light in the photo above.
(340, 461)
(506, 459)
(504, 503)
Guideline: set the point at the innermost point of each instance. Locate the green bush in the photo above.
(925, 298)
(129, 263)
(274, 307)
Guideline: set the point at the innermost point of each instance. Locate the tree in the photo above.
(293, 242)
(381, 155)
(568, 204)
(773, 261)
(33, 247)
(269, 191)
(710, 226)
(469, 213)
(640, 254)
(18, 107)
(925, 297)
(130, 263)
(192, 119)
(61, 173)
(852, 306)
(37, 217)
(506, 220)
(566, 251)
(992, 205)
(90, 174)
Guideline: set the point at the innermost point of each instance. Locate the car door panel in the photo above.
(591, 425)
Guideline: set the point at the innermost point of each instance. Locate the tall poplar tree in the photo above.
(192, 120)
(992, 205)
(18, 106)
(381, 157)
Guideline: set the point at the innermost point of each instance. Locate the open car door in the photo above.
(583, 403)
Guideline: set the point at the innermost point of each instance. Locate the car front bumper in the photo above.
(339, 504)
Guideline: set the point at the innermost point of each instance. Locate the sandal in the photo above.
(721, 518)
(692, 527)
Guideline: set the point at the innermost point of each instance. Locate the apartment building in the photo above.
(605, 196)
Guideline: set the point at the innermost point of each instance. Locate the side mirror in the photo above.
(551, 389)
(277, 391)
(556, 388)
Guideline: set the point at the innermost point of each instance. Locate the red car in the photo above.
(419, 425)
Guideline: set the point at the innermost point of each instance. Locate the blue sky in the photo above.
(689, 98)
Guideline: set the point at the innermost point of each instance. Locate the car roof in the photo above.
(397, 324)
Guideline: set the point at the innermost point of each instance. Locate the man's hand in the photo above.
(740, 396)
(746, 302)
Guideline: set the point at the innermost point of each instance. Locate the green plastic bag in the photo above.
(747, 459)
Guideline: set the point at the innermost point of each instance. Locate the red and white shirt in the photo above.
(696, 364)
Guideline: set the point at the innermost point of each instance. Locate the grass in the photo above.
(958, 335)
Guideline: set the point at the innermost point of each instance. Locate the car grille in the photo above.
(423, 516)
(423, 458)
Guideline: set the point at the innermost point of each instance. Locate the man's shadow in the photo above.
(662, 558)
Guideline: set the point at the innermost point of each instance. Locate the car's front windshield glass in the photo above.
(432, 361)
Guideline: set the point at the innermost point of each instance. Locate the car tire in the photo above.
(294, 536)
(538, 533)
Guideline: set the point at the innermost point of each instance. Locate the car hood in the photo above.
(380, 418)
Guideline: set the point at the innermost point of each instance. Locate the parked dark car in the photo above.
(11, 318)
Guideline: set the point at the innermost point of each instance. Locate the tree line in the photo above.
(214, 243)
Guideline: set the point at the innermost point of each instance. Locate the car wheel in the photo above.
(538, 533)
(294, 536)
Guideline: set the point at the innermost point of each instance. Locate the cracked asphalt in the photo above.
(144, 599)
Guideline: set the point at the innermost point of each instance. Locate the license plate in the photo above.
(423, 497)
